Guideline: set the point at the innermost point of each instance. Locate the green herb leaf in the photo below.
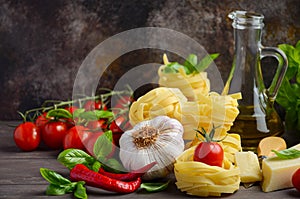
(155, 187)
(103, 145)
(78, 112)
(290, 153)
(54, 178)
(113, 165)
(205, 62)
(288, 93)
(191, 64)
(88, 115)
(59, 113)
(56, 190)
(96, 166)
(80, 191)
(71, 157)
(174, 67)
(103, 114)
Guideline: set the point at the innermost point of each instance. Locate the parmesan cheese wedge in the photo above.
(277, 173)
(249, 166)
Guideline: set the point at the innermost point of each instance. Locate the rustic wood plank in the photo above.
(27, 171)
(20, 177)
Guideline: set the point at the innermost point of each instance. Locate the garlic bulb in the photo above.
(158, 140)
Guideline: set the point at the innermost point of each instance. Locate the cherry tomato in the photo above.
(97, 124)
(41, 120)
(53, 134)
(123, 102)
(90, 142)
(75, 137)
(296, 179)
(210, 153)
(27, 136)
(71, 109)
(116, 125)
(94, 105)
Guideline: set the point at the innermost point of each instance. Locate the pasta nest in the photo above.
(200, 179)
(193, 86)
(209, 110)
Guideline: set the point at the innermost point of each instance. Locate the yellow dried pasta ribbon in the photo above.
(196, 178)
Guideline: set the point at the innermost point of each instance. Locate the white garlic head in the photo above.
(157, 140)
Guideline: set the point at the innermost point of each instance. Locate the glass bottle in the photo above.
(257, 118)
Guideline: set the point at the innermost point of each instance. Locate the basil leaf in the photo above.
(71, 157)
(56, 190)
(59, 113)
(53, 177)
(174, 68)
(290, 153)
(113, 165)
(205, 62)
(103, 145)
(78, 112)
(80, 191)
(96, 166)
(88, 115)
(155, 187)
(191, 62)
(103, 114)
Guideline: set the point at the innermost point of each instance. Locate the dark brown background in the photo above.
(43, 43)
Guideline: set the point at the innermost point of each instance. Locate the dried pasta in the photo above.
(200, 179)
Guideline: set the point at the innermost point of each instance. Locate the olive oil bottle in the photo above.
(257, 118)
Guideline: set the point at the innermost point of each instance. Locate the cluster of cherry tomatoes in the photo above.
(74, 127)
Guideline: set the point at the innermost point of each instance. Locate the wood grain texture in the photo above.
(20, 177)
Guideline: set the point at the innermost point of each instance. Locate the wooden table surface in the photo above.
(20, 177)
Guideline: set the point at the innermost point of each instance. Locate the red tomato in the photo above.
(53, 134)
(94, 105)
(116, 125)
(90, 142)
(210, 153)
(27, 136)
(296, 179)
(97, 124)
(75, 137)
(123, 102)
(41, 120)
(71, 109)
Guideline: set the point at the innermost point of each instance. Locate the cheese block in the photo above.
(249, 166)
(277, 173)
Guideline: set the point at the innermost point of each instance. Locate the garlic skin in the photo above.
(158, 140)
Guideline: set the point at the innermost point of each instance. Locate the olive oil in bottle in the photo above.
(257, 118)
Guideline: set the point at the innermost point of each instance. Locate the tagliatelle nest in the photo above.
(211, 109)
(200, 179)
(193, 86)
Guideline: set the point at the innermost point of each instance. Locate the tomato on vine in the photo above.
(76, 137)
(71, 109)
(209, 151)
(94, 105)
(96, 125)
(53, 134)
(41, 120)
(27, 136)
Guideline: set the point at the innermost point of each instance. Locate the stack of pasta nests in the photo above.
(188, 99)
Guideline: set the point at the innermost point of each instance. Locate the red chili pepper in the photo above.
(81, 173)
(133, 175)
